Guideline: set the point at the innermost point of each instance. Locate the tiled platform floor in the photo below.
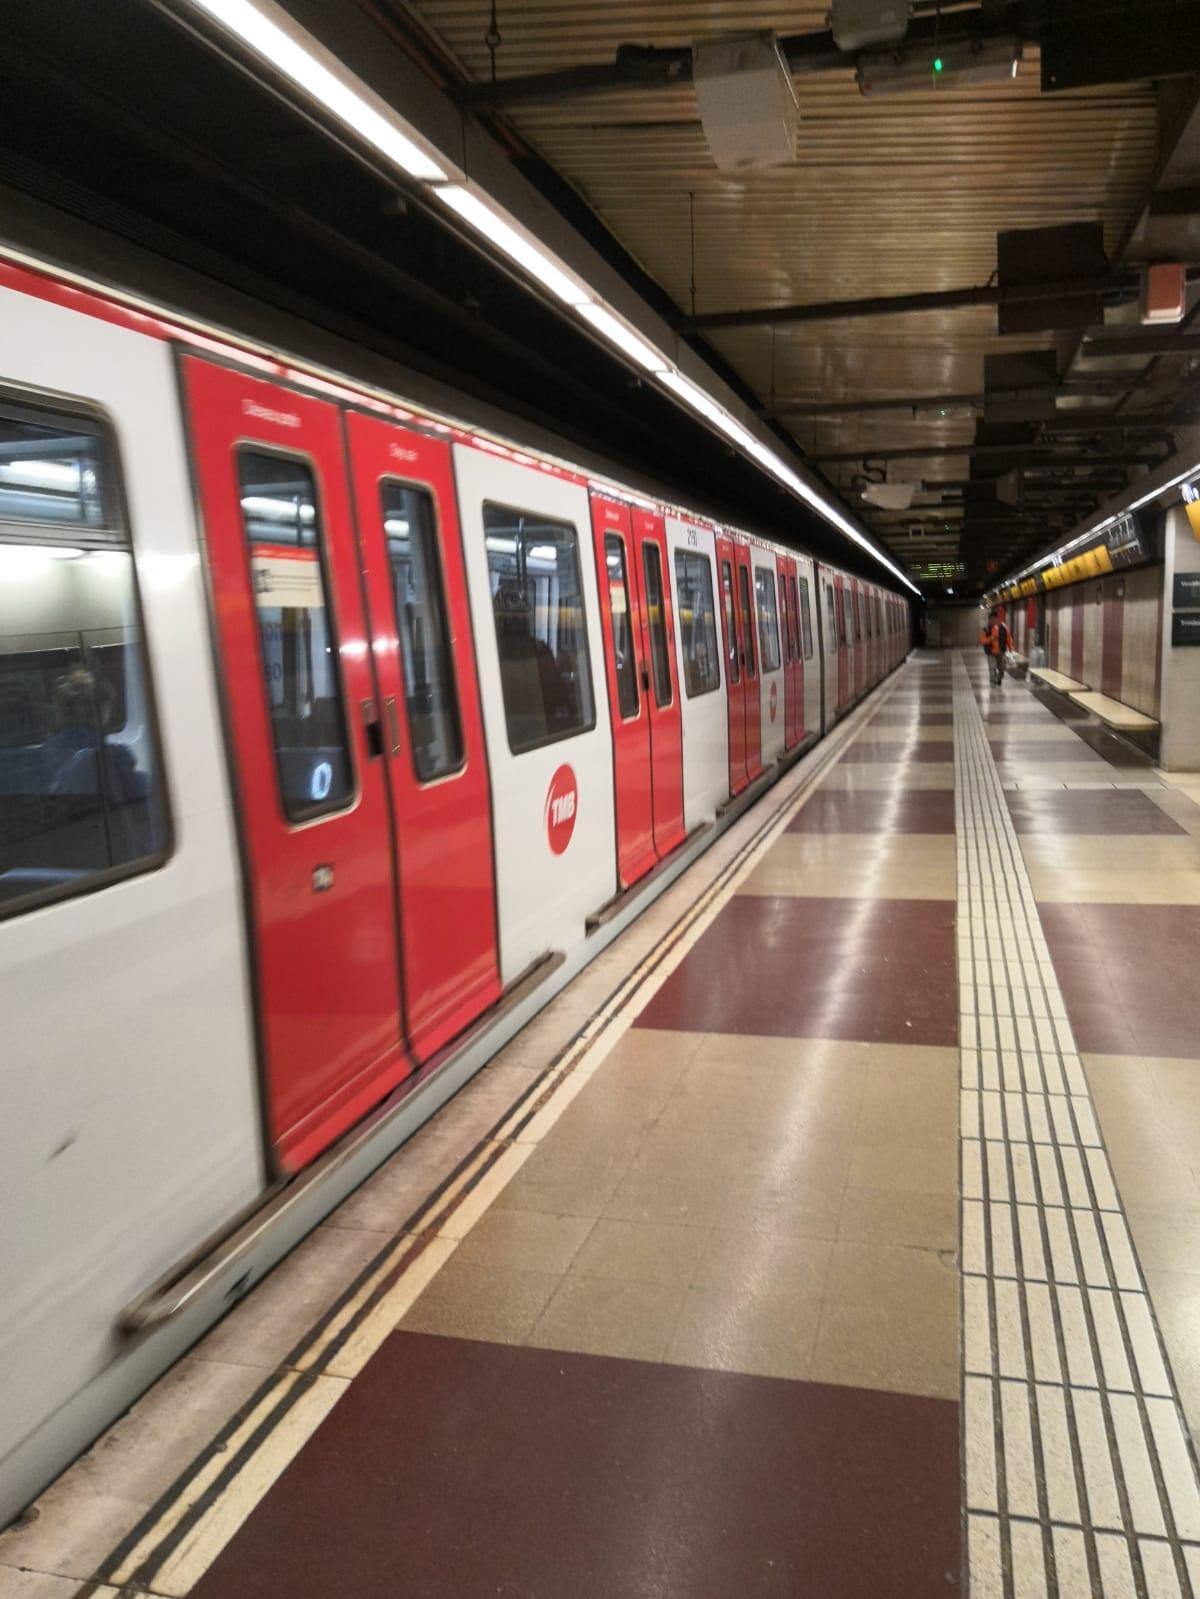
(701, 1336)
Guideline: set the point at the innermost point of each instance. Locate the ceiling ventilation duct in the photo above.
(858, 23)
(890, 496)
(748, 106)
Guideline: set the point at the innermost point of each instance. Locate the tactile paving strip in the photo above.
(1080, 1479)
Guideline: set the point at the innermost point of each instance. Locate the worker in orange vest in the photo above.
(996, 641)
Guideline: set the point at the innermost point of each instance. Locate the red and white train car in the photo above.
(334, 737)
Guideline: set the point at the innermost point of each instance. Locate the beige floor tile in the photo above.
(650, 1059)
(893, 1277)
(884, 881)
(1128, 853)
(925, 1168)
(761, 1052)
(872, 776)
(610, 1316)
(496, 1303)
(528, 1240)
(1045, 729)
(887, 1216)
(869, 1347)
(648, 1252)
(740, 1260)
(1167, 1240)
(572, 1173)
(768, 1334)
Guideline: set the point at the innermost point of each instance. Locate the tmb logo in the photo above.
(562, 803)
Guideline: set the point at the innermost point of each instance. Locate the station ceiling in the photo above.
(889, 195)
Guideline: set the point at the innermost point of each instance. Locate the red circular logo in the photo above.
(562, 803)
(774, 699)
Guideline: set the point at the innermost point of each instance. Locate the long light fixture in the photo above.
(278, 41)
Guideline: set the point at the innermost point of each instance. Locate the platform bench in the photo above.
(1113, 714)
(1058, 680)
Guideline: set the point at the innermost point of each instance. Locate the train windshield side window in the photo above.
(541, 626)
(768, 618)
(735, 670)
(296, 631)
(659, 660)
(622, 625)
(419, 597)
(697, 623)
(806, 619)
(81, 793)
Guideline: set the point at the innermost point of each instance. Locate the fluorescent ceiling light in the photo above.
(370, 119)
(624, 338)
(497, 230)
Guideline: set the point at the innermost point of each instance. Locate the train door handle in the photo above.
(372, 731)
(645, 681)
(393, 723)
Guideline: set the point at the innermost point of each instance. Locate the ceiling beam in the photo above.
(1113, 284)
(927, 451)
(1157, 341)
(664, 67)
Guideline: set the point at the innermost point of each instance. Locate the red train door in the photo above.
(843, 629)
(749, 632)
(304, 722)
(790, 650)
(424, 656)
(629, 695)
(659, 680)
(735, 662)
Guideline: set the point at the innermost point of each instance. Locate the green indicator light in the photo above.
(937, 63)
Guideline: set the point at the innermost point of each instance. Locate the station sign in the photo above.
(1186, 591)
(1185, 628)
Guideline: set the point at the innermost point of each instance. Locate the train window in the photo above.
(659, 659)
(806, 619)
(297, 634)
(747, 623)
(847, 617)
(419, 597)
(794, 617)
(731, 650)
(541, 627)
(697, 623)
(832, 617)
(768, 619)
(81, 794)
(622, 625)
(785, 603)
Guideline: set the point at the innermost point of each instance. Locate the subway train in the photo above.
(336, 734)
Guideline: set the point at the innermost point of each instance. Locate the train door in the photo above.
(844, 642)
(793, 609)
(432, 730)
(628, 686)
(783, 570)
(660, 680)
(535, 606)
(750, 675)
(772, 672)
(307, 745)
(860, 639)
(807, 599)
(735, 662)
(829, 648)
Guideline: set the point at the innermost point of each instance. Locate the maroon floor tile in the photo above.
(1128, 975)
(453, 1469)
(841, 810)
(1088, 811)
(924, 752)
(874, 969)
(914, 718)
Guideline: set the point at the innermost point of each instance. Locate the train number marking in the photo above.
(562, 806)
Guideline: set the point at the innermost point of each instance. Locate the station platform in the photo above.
(836, 1233)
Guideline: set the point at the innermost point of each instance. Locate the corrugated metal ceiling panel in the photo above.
(887, 196)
